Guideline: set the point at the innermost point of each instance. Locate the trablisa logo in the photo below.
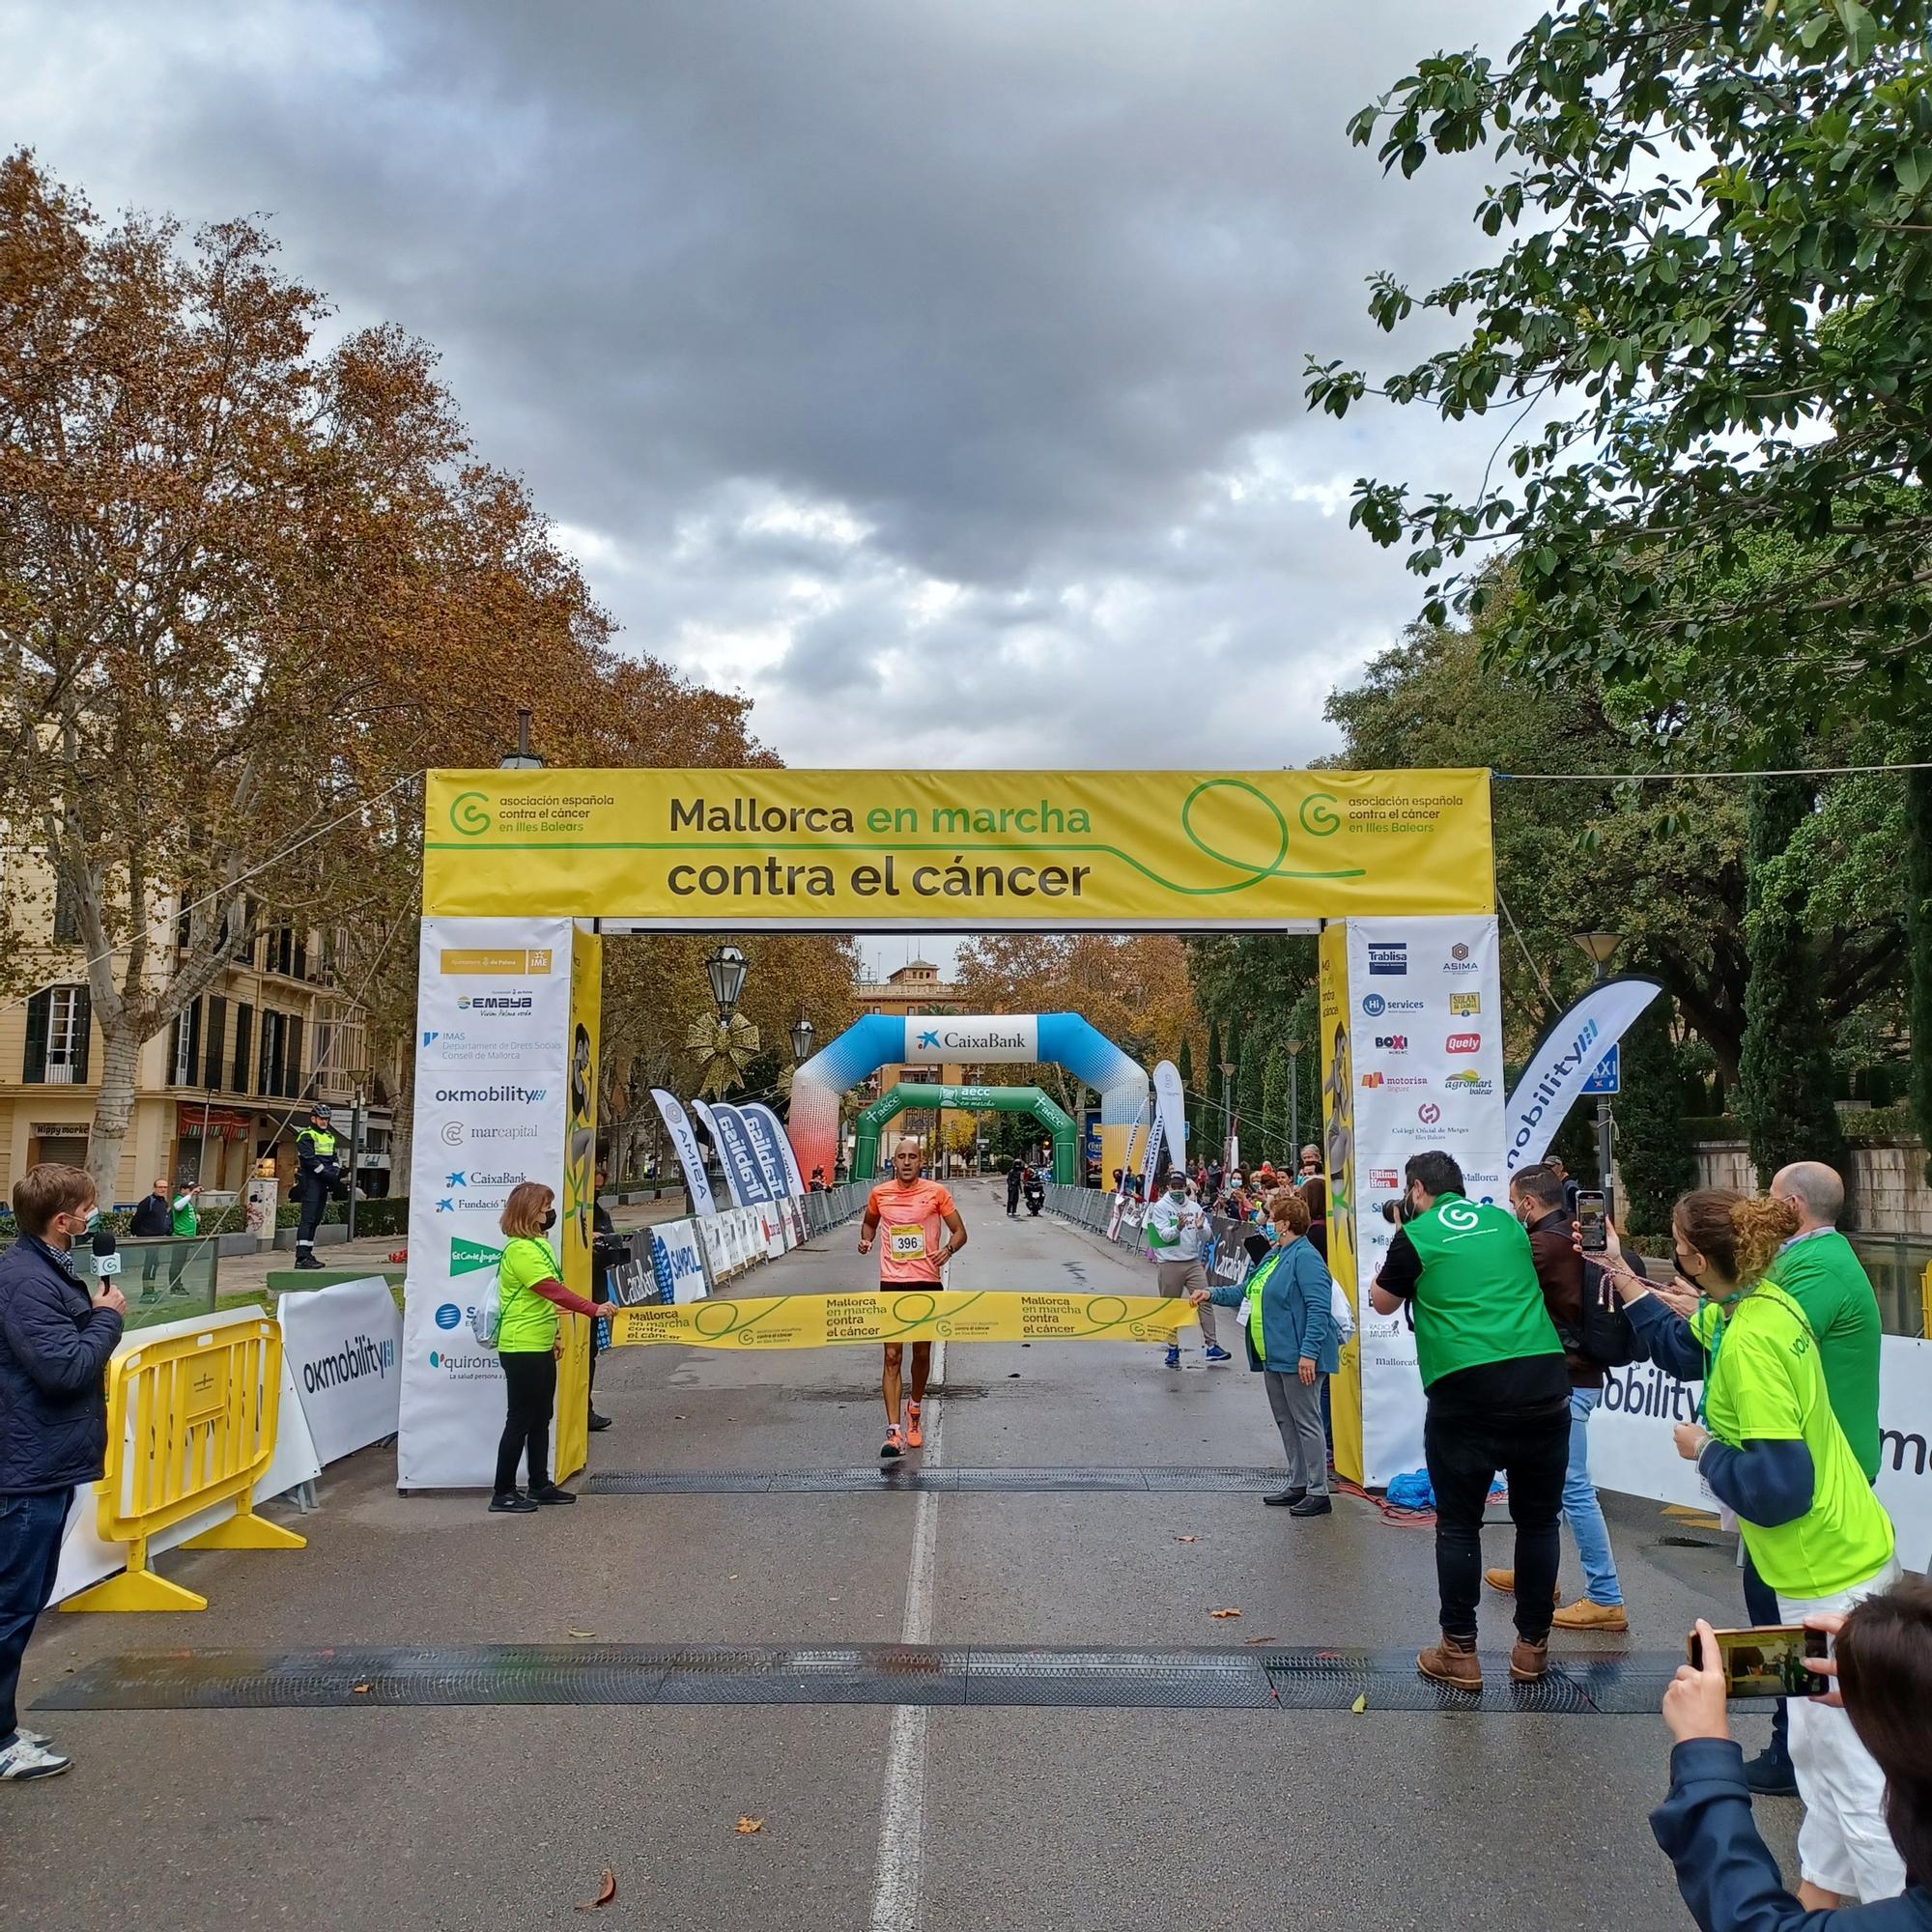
(1389, 959)
(1464, 1042)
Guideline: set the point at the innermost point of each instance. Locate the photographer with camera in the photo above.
(1499, 1399)
(1728, 1877)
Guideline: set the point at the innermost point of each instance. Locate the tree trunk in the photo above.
(114, 1105)
(402, 1133)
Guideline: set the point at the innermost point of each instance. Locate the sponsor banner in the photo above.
(690, 1155)
(1565, 1058)
(1424, 1048)
(1171, 1110)
(342, 1345)
(894, 1315)
(937, 1037)
(769, 1130)
(678, 1261)
(772, 1232)
(1338, 1142)
(473, 1142)
(763, 1137)
(869, 850)
(493, 1007)
(1632, 1449)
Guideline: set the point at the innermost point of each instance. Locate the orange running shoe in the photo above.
(915, 1436)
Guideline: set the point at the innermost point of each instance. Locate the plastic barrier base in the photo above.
(136, 1590)
(245, 1530)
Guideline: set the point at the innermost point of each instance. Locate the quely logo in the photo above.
(1389, 959)
(1392, 1042)
(1464, 1042)
(1465, 1005)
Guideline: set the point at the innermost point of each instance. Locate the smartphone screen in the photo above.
(1768, 1662)
(1590, 1214)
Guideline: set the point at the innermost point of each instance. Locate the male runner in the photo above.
(913, 1211)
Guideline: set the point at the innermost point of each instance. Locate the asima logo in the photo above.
(469, 814)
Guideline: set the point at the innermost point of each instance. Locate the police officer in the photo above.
(318, 1175)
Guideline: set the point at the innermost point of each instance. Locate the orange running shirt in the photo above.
(910, 1221)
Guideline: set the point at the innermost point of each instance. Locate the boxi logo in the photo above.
(1389, 959)
(1392, 1042)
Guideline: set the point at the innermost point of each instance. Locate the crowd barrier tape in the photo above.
(191, 1423)
(915, 1315)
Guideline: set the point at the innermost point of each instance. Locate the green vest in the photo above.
(1478, 1300)
(1254, 1304)
(321, 1141)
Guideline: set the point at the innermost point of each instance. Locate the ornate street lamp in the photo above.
(803, 1032)
(523, 758)
(726, 970)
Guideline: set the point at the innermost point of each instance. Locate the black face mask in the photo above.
(549, 1221)
(1682, 1267)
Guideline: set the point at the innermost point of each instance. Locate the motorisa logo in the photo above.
(1374, 1080)
(1392, 1042)
(1465, 1005)
(1464, 1042)
(491, 1096)
(1389, 959)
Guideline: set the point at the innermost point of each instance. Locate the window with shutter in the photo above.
(217, 1039)
(295, 1065)
(34, 1068)
(245, 1043)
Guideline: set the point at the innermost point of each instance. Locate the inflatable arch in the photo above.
(911, 1094)
(884, 1039)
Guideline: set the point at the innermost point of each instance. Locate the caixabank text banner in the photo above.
(871, 850)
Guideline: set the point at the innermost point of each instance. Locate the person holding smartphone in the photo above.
(1727, 1875)
(1773, 1452)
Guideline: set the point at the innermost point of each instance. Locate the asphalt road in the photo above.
(995, 1818)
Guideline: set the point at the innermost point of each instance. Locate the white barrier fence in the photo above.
(694, 1257)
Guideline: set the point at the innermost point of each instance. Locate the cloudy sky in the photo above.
(931, 370)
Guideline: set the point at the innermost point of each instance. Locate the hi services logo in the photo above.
(1464, 1042)
(1374, 1006)
(1389, 959)
(1465, 1005)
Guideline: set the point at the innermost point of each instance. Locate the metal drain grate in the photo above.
(886, 1478)
(431, 1676)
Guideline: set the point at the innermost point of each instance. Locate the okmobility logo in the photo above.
(492, 1097)
(1551, 1087)
(363, 1356)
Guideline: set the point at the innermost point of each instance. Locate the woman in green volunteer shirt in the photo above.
(1773, 1452)
(530, 1291)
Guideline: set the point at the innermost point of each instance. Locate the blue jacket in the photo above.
(1297, 1320)
(54, 1345)
(1729, 1881)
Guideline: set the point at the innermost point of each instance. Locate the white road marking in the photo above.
(899, 1869)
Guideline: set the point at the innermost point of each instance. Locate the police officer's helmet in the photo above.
(320, 1111)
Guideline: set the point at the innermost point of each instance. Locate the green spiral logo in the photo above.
(469, 814)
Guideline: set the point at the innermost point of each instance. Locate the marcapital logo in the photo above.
(1392, 1042)
(450, 1133)
(1464, 1042)
(492, 1097)
(1428, 1113)
(1465, 1005)
(1388, 957)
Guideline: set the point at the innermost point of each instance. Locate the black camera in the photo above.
(1399, 1211)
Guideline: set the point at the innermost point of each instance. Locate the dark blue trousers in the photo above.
(30, 1541)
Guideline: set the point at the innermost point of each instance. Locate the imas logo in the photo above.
(354, 1359)
(1389, 959)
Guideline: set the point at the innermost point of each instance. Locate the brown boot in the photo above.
(1529, 1661)
(1584, 1615)
(1451, 1662)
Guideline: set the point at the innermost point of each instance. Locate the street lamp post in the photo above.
(1294, 1105)
(1597, 947)
(802, 1033)
(1227, 1116)
(726, 970)
(523, 758)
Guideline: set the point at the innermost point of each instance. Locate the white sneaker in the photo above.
(27, 1736)
(22, 1760)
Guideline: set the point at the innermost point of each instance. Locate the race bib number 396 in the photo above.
(906, 1244)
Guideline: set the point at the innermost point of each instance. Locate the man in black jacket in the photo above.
(55, 1345)
(153, 1220)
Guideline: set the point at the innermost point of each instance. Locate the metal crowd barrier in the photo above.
(190, 1423)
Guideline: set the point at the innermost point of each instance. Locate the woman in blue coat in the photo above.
(1286, 1304)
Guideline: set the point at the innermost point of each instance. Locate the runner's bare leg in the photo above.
(892, 1383)
(921, 1366)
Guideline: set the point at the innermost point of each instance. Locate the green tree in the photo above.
(1784, 1073)
(1918, 919)
(1654, 1153)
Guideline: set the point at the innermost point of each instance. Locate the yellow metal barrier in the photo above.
(190, 1423)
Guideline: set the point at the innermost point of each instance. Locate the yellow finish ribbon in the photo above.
(902, 1315)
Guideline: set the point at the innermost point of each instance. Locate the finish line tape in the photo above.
(949, 1315)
